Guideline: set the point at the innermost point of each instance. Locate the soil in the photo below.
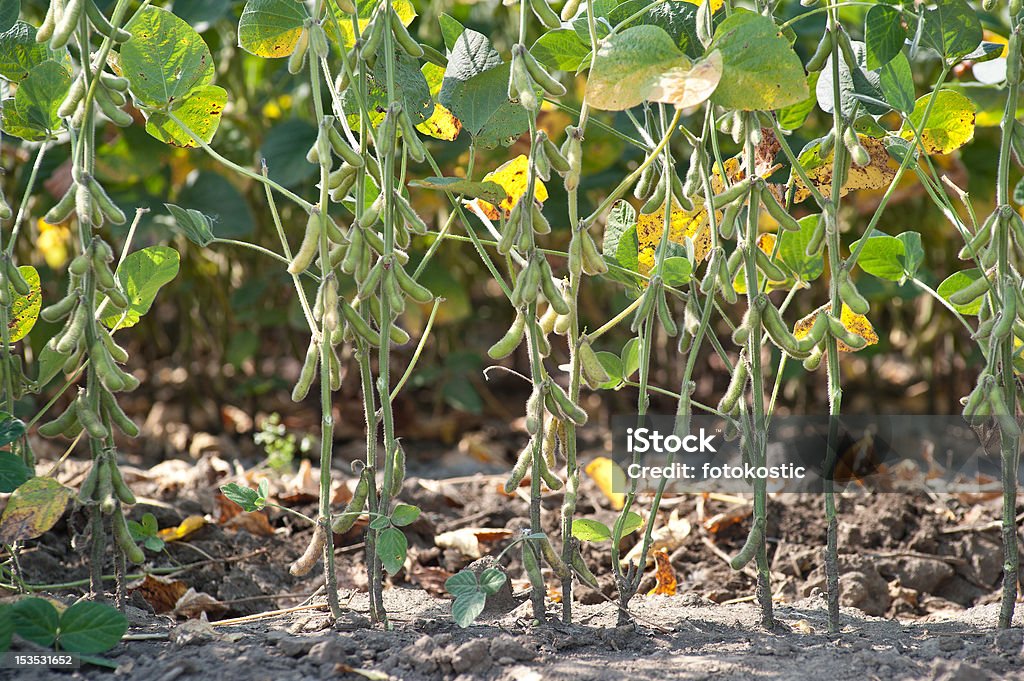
(920, 579)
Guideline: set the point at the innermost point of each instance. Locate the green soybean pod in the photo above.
(656, 201)
(72, 331)
(559, 162)
(645, 186)
(971, 292)
(61, 211)
(1004, 415)
(403, 37)
(411, 287)
(344, 522)
(841, 333)
(110, 210)
(103, 26)
(974, 246)
(550, 288)
(67, 24)
(821, 53)
(780, 333)
(773, 272)
(665, 315)
(817, 241)
(569, 409)
(511, 340)
(569, 9)
(117, 416)
(813, 361)
(591, 369)
(520, 469)
(310, 244)
(398, 470)
(45, 31)
(737, 383)
(778, 211)
(858, 154)
(531, 564)
(358, 324)
(74, 96)
(121, 489)
(573, 151)
(849, 294)
(15, 280)
(123, 539)
(546, 15)
(754, 541)
(60, 425)
(1014, 56)
(594, 263)
(549, 478)
(307, 374)
(730, 194)
(88, 489)
(297, 59)
(89, 419)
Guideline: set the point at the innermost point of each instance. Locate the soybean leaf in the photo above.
(462, 582)
(613, 365)
(586, 529)
(950, 124)
(913, 252)
(35, 620)
(25, 309)
(246, 497)
(951, 28)
(90, 627)
(884, 35)
(678, 19)
(380, 522)
(957, 281)
(285, 148)
(201, 11)
(19, 52)
(621, 217)
(882, 257)
(40, 95)
(851, 84)
(491, 192)
(897, 83)
(491, 580)
(141, 276)
(9, 11)
(763, 71)
(194, 224)
(481, 102)
(633, 522)
(560, 50)
(13, 472)
(11, 428)
(471, 55)
(676, 270)
(793, 116)
(6, 627)
(364, 11)
(35, 507)
(451, 29)
(404, 514)
(271, 28)
(793, 250)
(200, 112)
(627, 252)
(165, 59)
(1018, 191)
(630, 357)
(468, 607)
(391, 548)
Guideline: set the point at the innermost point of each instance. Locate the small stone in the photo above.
(295, 646)
(949, 643)
(334, 650)
(473, 655)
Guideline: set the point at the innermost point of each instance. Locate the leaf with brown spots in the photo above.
(513, 176)
(664, 574)
(25, 309)
(693, 224)
(853, 322)
(875, 175)
(33, 508)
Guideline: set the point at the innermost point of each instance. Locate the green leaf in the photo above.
(200, 111)
(884, 35)
(613, 365)
(35, 620)
(621, 217)
(627, 65)
(678, 19)
(285, 147)
(793, 116)
(19, 52)
(141, 276)
(34, 508)
(381, 522)
(676, 270)
(25, 309)
(897, 83)
(40, 95)
(13, 472)
(761, 70)
(851, 84)
(951, 28)
(412, 89)
(462, 582)
(633, 522)
(630, 357)
(627, 253)
(950, 124)
(89, 627)
(9, 11)
(391, 548)
(10, 428)
(560, 50)
(491, 192)
(165, 59)
(479, 98)
(1018, 192)
(246, 497)
(451, 29)
(6, 627)
(404, 514)
(468, 607)
(586, 529)
(491, 580)
(957, 281)
(793, 250)
(271, 28)
(882, 257)
(194, 224)
(913, 252)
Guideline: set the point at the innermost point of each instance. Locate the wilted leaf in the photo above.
(468, 540)
(688, 86)
(188, 526)
(513, 177)
(877, 174)
(194, 603)
(950, 124)
(609, 478)
(853, 322)
(255, 523)
(34, 508)
(685, 224)
(664, 574)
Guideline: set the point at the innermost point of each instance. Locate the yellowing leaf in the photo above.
(853, 322)
(513, 176)
(664, 574)
(950, 124)
(609, 477)
(53, 243)
(188, 526)
(693, 224)
(715, 4)
(875, 175)
(33, 508)
(364, 9)
(25, 309)
(688, 86)
(442, 124)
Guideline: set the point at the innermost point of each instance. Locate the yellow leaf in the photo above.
(950, 123)
(513, 176)
(188, 526)
(693, 224)
(715, 4)
(853, 322)
(442, 124)
(33, 508)
(875, 175)
(403, 8)
(25, 309)
(53, 243)
(609, 477)
(664, 574)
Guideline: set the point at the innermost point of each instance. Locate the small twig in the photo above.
(268, 614)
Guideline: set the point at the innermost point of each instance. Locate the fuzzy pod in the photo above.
(66, 24)
(73, 330)
(593, 372)
(117, 417)
(750, 547)
(849, 294)
(520, 470)
(520, 85)
(304, 563)
(648, 182)
(358, 324)
(89, 417)
(1004, 414)
(62, 210)
(120, 487)
(404, 39)
(46, 29)
(123, 539)
(858, 154)
(656, 201)
(559, 162)
(778, 211)
(977, 243)
(709, 282)
(821, 53)
(768, 267)
(552, 558)
(779, 333)
(308, 373)
(594, 263)
(547, 16)
(511, 340)
(573, 152)
(550, 288)
(977, 407)
(732, 193)
(569, 10)
(412, 288)
(813, 361)
(971, 292)
(539, 74)
(413, 143)
(665, 314)
(103, 26)
(549, 478)
(87, 491)
(840, 332)
(66, 423)
(737, 383)
(297, 59)
(566, 409)
(583, 572)
(398, 470)
(344, 522)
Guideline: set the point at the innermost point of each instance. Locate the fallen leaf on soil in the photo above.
(300, 488)
(162, 593)
(720, 521)
(224, 509)
(803, 626)
(481, 448)
(187, 527)
(608, 477)
(467, 540)
(668, 537)
(430, 579)
(34, 508)
(664, 574)
(254, 523)
(194, 603)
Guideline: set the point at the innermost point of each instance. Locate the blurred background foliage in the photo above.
(230, 320)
